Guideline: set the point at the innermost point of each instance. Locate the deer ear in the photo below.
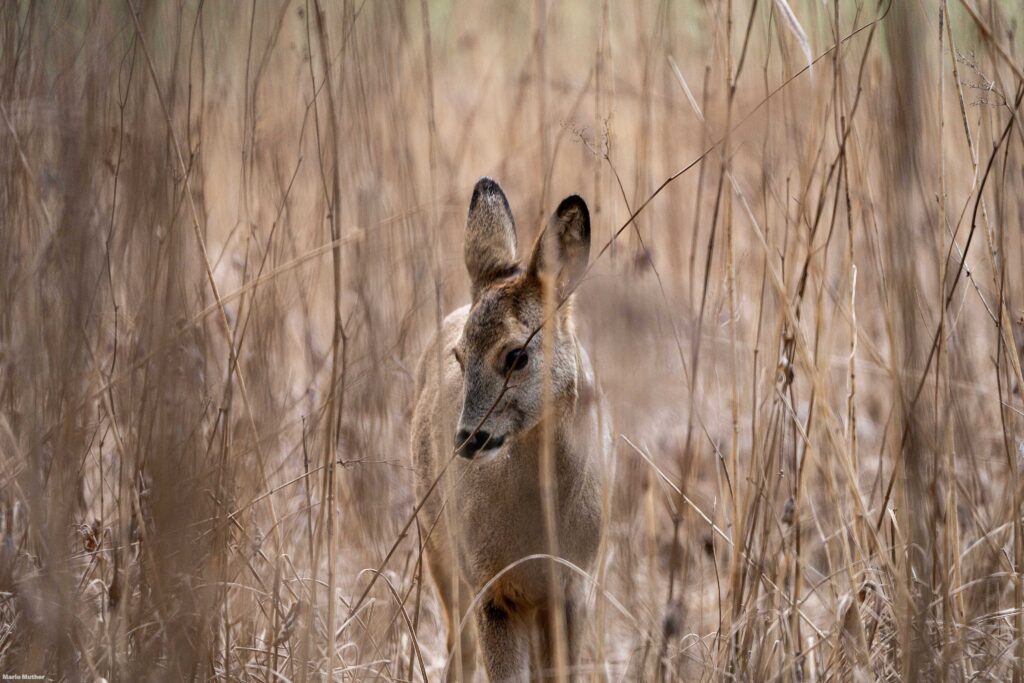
(490, 236)
(563, 248)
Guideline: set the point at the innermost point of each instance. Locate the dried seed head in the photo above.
(787, 511)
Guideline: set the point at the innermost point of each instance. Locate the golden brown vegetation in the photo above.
(229, 228)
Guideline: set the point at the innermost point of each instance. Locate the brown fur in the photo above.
(487, 511)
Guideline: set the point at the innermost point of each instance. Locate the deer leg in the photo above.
(546, 640)
(573, 632)
(455, 599)
(505, 644)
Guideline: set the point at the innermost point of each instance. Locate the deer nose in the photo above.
(470, 443)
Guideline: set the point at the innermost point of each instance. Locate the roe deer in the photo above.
(482, 393)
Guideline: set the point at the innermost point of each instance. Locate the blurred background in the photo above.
(229, 229)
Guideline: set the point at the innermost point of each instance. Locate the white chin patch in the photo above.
(487, 456)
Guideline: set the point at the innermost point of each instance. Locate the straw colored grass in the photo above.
(230, 228)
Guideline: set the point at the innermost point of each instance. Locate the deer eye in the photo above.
(516, 359)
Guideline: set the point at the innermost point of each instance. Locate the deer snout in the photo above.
(469, 442)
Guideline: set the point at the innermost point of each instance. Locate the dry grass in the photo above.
(228, 230)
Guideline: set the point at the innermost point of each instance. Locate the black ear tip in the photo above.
(573, 207)
(486, 184)
(486, 187)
